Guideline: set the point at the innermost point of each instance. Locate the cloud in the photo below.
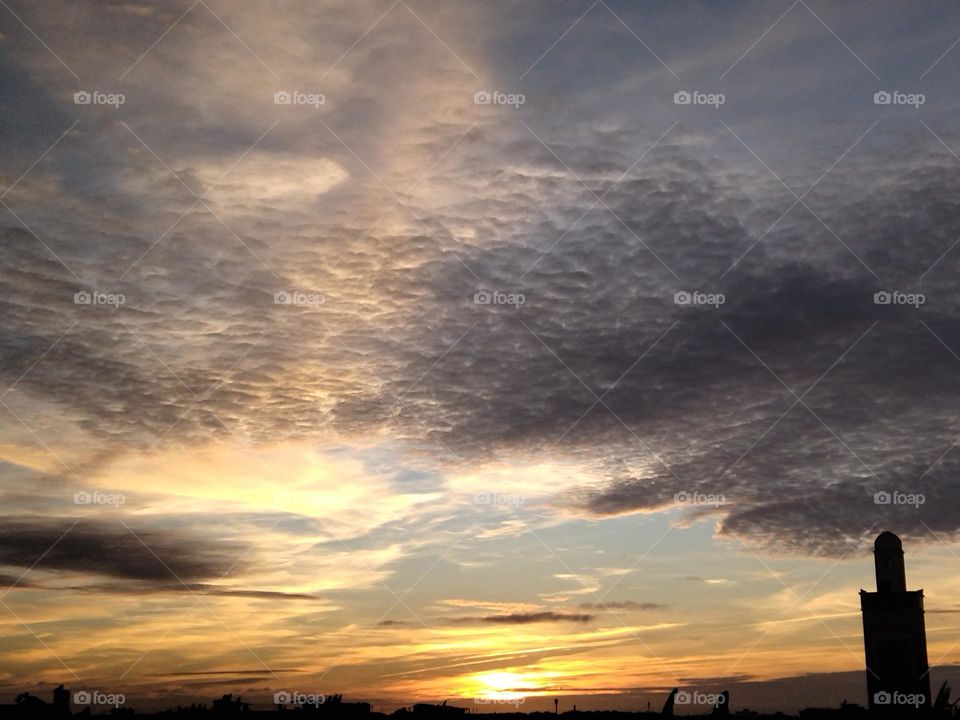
(408, 353)
(200, 589)
(526, 618)
(109, 549)
(622, 605)
(11, 581)
(692, 397)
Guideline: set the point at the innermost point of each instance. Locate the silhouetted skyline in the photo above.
(898, 682)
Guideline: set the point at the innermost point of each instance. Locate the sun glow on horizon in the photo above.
(506, 685)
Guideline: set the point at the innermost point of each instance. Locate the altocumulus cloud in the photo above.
(796, 399)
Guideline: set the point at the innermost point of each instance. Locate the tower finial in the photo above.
(888, 560)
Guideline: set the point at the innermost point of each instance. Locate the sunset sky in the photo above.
(485, 367)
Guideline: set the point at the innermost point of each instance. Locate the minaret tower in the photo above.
(894, 636)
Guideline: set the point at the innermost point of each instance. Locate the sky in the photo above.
(492, 352)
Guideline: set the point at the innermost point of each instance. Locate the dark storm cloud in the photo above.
(109, 549)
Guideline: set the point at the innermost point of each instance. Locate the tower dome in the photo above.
(888, 560)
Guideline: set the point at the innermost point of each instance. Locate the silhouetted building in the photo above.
(440, 712)
(228, 706)
(30, 706)
(334, 706)
(669, 705)
(722, 706)
(894, 635)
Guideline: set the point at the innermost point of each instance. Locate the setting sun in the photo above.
(504, 685)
